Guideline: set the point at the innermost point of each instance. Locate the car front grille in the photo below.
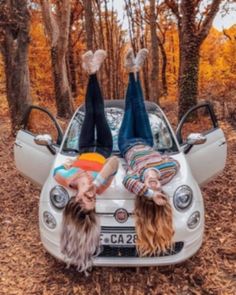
(130, 251)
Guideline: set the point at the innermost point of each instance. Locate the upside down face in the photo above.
(152, 180)
(86, 194)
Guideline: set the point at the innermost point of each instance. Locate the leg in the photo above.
(127, 129)
(142, 124)
(104, 142)
(135, 128)
(87, 139)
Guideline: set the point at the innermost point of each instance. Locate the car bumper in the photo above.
(190, 247)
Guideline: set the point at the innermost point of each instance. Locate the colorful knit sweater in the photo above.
(89, 163)
(139, 158)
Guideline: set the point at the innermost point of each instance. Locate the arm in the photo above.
(106, 175)
(133, 184)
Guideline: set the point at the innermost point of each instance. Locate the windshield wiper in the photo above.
(70, 150)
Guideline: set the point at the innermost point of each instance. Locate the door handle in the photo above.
(18, 145)
(222, 143)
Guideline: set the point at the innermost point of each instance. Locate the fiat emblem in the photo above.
(121, 215)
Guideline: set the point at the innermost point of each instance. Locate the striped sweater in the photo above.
(139, 158)
(90, 163)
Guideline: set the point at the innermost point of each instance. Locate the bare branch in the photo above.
(173, 5)
(207, 23)
(227, 35)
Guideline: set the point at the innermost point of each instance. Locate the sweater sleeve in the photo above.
(168, 168)
(133, 184)
(66, 177)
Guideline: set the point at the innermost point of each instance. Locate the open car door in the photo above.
(31, 159)
(209, 158)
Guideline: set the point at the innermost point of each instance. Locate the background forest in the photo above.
(42, 42)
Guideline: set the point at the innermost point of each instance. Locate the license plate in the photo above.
(118, 239)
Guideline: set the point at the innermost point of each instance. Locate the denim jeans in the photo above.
(95, 118)
(135, 128)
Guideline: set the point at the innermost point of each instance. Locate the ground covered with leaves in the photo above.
(26, 268)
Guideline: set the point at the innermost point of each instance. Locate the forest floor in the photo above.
(26, 268)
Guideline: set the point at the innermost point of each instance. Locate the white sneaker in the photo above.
(87, 61)
(130, 60)
(98, 58)
(140, 58)
(92, 62)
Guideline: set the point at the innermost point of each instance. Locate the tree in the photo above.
(14, 43)
(193, 28)
(57, 22)
(76, 13)
(154, 79)
(88, 13)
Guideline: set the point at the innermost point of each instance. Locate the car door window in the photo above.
(200, 119)
(39, 121)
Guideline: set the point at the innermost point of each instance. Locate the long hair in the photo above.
(80, 235)
(153, 226)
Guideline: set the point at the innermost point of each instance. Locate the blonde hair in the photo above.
(80, 235)
(153, 226)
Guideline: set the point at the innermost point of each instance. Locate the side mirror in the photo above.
(44, 139)
(196, 138)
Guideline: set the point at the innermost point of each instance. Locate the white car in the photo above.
(198, 145)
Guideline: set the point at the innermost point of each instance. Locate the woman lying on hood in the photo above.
(147, 169)
(89, 174)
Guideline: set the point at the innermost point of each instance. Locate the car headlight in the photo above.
(183, 197)
(59, 197)
(193, 220)
(49, 220)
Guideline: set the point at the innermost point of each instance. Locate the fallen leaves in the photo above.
(26, 268)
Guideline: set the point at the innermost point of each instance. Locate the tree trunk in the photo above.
(192, 33)
(163, 69)
(145, 69)
(104, 73)
(188, 75)
(61, 84)
(71, 67)
(154, 79)
(57, 29)
(88, 13)
(15, 54)
(108, 46)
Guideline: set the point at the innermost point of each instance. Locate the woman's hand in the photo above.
(160, 199)
(67, 165)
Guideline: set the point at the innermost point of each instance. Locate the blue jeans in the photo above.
(135, 128)
(95, 119)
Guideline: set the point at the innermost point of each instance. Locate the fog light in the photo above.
(49, 220)
(193, 220)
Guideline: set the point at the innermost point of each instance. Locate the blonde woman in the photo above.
(147, 169)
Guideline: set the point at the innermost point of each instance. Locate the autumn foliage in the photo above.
(217, 72)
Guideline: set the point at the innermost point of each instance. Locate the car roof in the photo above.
(120, 103)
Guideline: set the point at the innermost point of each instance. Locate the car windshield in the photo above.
(163, 140)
